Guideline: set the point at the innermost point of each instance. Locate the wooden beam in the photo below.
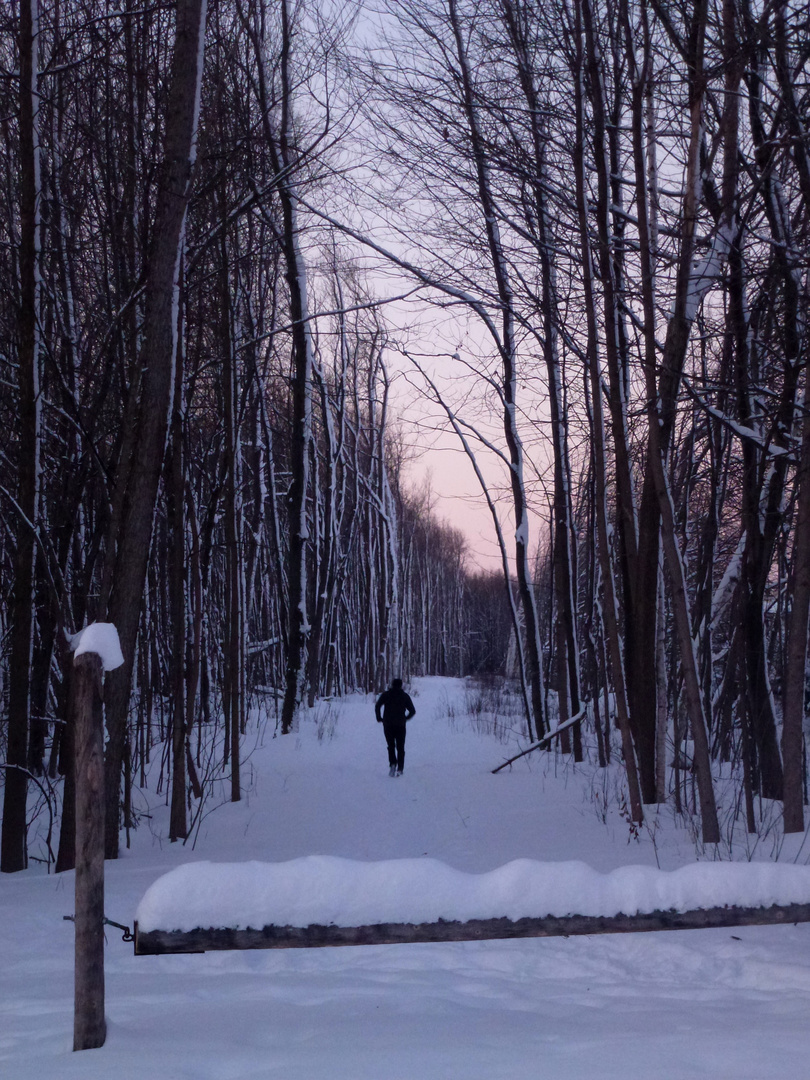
(157, 942)
(89, 1026)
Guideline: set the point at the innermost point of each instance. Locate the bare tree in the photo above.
(14, 854)
(139, 466)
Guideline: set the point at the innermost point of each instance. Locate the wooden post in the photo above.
(89, 1026)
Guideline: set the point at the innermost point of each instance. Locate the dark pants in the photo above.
(395, 737)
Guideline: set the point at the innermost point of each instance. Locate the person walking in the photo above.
(393, 710)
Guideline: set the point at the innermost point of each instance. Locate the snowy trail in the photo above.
(716, 1004)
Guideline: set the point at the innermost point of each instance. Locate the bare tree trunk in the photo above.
(795, 667)
(635, 529)
(693, 280)
(327, 578)
(13, 847)
(178, 828)
(301, 394)
(663, 704)
(656, 464)
(564, 544)
(139, 473)
(610, 609)
(795, 674)
(233, 659)
(283, 154)
(508, 357)
(195, 645)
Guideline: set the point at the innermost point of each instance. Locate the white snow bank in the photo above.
(326, 890)
(101, 638)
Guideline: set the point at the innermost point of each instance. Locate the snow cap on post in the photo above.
(101, 638)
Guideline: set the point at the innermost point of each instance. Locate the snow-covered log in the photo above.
(321, 901)
(160, 942)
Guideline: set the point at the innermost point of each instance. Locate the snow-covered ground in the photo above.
(711, 1003)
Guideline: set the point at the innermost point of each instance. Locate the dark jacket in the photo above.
(394, 706)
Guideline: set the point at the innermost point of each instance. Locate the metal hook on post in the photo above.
(127, 935)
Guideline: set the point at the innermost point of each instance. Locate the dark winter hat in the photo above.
(396, 684)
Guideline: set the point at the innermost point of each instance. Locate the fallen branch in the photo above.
(546, 738)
